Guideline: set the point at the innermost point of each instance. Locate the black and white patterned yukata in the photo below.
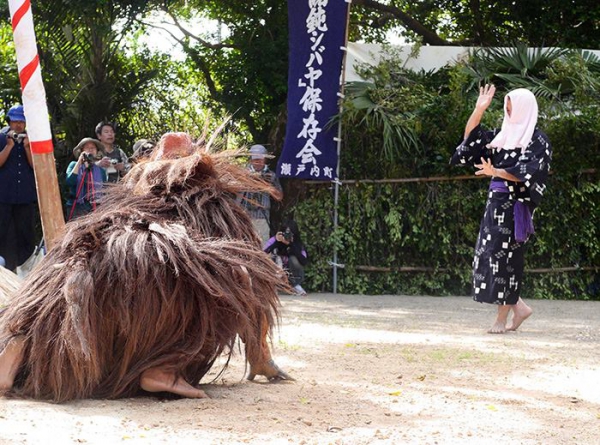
(499, 262)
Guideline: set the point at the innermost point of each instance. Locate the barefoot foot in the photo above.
(10, 360)
(159, 380)
(521, 312)
(497, 328)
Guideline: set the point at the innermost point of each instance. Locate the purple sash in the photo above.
(522, 213)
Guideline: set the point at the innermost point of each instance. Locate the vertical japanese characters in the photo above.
(315, 66)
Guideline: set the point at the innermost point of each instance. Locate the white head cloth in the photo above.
(517, 129)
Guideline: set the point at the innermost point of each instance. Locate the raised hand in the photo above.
(486, 94)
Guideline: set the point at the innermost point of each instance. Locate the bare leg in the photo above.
(10, 360)
(260, 360)
(161, 380)
(521, 312)
(499, 326)
(258, 352)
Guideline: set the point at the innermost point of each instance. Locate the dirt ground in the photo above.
(370, 370)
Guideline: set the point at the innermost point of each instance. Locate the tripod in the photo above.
(86, 188)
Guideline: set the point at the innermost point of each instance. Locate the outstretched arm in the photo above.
(486, 94)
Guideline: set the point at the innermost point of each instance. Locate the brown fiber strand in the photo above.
(166, 272)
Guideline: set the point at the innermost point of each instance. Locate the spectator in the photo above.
(105, 132)
(289, 251)
(85, 178)
(18, 196)
(142, 149)
(258, 204)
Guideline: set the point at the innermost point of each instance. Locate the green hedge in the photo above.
(435, 225)
(406, 124)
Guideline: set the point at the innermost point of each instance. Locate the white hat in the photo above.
(258, 152)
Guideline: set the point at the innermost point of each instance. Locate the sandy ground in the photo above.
(370, 370)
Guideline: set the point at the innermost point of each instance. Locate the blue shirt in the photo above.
(17, 181)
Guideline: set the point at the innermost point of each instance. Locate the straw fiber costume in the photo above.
(160, 280)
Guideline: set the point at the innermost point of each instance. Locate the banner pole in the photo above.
(339, 150)
(38, 124)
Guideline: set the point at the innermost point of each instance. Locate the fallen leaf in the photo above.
(395, 393)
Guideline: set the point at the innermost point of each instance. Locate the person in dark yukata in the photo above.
(517, 158)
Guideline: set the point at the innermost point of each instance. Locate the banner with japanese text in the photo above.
(317, 30)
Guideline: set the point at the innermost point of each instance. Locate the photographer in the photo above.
(258, 204)
(85, 178)
(17, 191)
(106, 133)
(142, 150)
(289, 251)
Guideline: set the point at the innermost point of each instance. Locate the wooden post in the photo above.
(38, 125)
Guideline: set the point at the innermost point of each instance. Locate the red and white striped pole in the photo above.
(38, 124)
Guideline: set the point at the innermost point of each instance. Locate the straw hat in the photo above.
(83, 142)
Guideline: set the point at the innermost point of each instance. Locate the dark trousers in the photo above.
(296, 271)
(17, 234)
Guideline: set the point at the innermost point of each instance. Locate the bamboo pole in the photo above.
(587, 171)
(38, 125)
(381, 269)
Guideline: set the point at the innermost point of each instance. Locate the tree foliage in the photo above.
(88, 75)
(9, 87)
(243, 71)
(246, 71)
(433, 224)
(560, 23)
(401, 124)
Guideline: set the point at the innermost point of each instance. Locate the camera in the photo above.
(17, 137)
(88, 158)
(287, 234)
(114, 161)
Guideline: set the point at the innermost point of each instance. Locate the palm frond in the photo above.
(519, 59)
(591, 60)
(537, 86)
